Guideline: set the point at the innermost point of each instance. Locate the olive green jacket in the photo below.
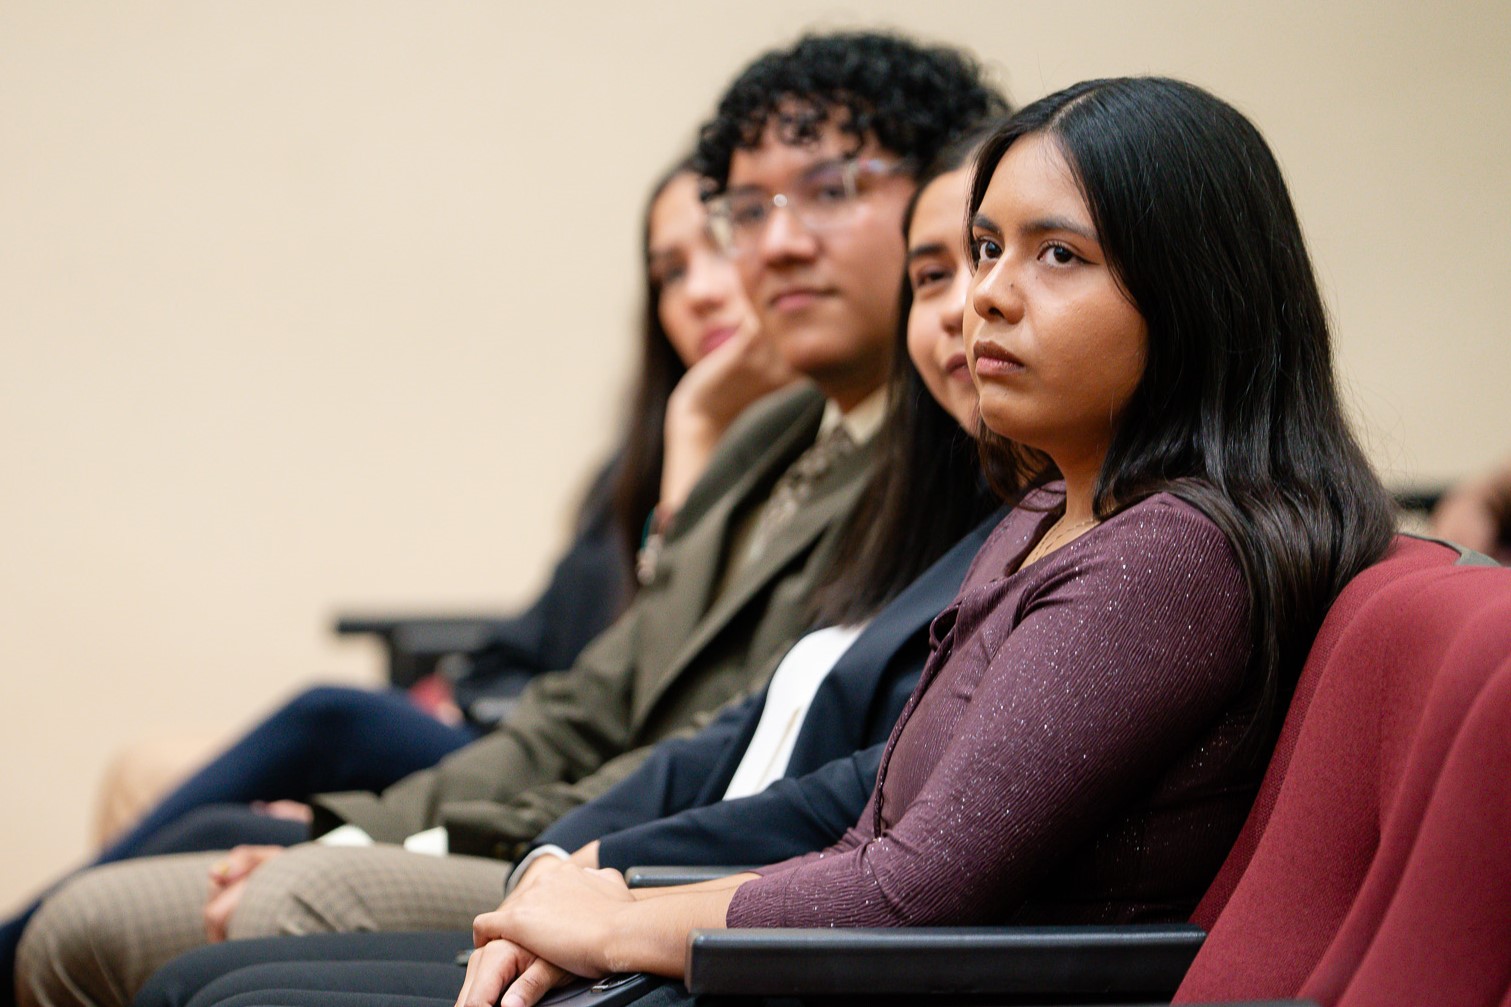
(678, 653)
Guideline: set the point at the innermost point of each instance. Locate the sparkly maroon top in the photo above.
(1067, 755)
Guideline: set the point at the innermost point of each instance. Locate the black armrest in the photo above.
(415, 644)
(1123, 962)
(665, 877)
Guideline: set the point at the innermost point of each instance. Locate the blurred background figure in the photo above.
(1477, 514)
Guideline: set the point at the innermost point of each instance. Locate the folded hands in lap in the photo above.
(228, 882)
(550, 930)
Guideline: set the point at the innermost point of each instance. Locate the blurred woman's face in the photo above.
(700, 301)
(939, 276)
(1055, 345)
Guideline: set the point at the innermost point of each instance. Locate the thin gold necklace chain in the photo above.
(1057, 536)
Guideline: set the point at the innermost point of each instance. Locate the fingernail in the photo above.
(512, 1000)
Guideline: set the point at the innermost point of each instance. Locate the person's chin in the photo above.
(812, 347)
(800, 312)
(1005, 415)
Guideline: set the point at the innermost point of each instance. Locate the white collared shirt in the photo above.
(862, 422)
(788, 698)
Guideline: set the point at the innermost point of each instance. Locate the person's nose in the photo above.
(995, 296)
(953, 315)
(785, 238)
(708, 282)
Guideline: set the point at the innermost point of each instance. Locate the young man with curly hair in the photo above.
(811, 158)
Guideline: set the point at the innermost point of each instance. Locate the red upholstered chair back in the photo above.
(1400, 658)
(1406, 556)
(1444, 934)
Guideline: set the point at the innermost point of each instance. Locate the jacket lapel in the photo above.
(838, 721)
(832, 496)
(692, 561)
(848, 693)
(685, 580)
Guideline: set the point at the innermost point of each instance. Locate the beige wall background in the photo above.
(313, 306)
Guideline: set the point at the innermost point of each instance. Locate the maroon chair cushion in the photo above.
(1404, 652)
(1445, 935)
(1406, 556)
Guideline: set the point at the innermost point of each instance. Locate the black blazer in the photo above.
(828, 779)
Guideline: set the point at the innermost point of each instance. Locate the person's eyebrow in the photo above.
(741, 190)
(829, 164)
(1047, 224)
(981, 222)
(925, 251)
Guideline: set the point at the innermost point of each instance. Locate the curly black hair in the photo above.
(912, 98)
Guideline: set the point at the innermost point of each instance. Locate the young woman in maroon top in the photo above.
(1154, 371)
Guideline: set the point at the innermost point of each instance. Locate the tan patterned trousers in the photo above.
(97, 939)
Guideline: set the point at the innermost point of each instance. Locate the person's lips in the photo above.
(716, 336)
(955, 368)
(795, 298)
(992, 361)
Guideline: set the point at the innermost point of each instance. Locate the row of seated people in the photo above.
(703, 359)
(1071, 513)
(333, 738)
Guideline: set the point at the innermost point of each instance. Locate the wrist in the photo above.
(619, 942)
(691, 424)
(687, 452)
(548, 854)
(586, 856)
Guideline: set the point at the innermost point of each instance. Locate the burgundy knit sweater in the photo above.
(1067, 755)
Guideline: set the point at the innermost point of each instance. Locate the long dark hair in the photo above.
(635, 485)
(1237, 412)
(927, 490)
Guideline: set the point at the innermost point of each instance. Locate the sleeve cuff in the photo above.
(346, 835)
(529, 859)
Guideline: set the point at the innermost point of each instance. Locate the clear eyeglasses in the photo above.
(823, 197)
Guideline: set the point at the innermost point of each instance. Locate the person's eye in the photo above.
(933, 276)
(1057, 254)
(985, 250)
(828, 187)
(668, 276)
(748, 213)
